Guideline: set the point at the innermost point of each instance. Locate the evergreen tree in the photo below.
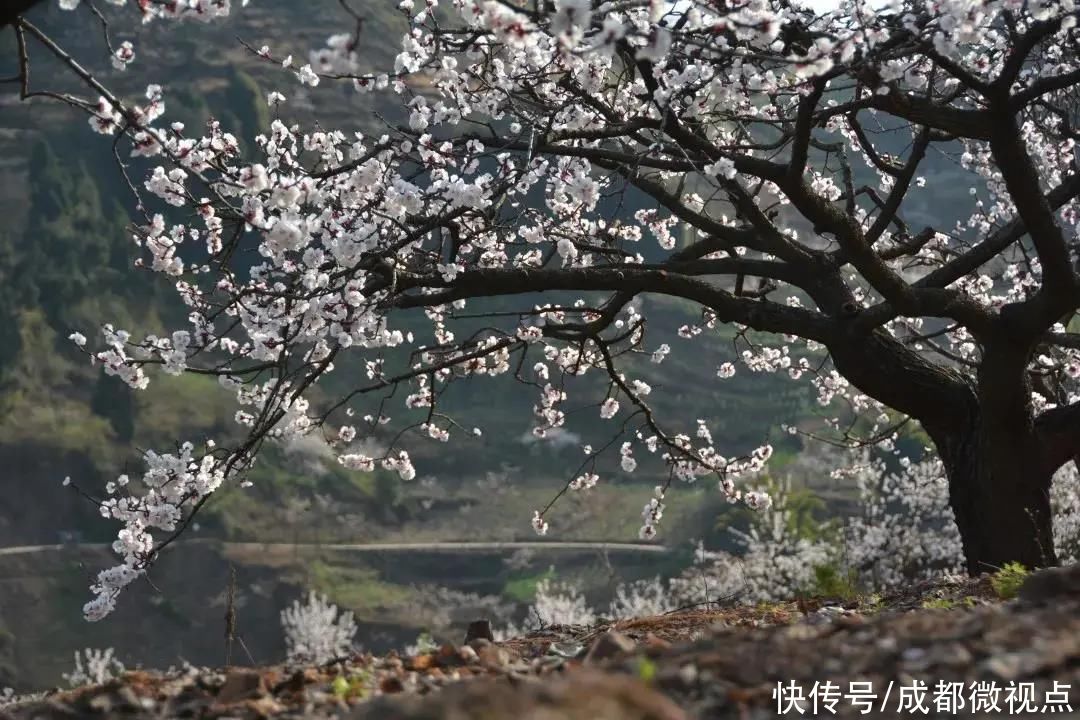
(10, 337)
(246, 114)
(115, 401)
(67, 236)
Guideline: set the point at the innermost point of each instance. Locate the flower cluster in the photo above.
(171, 482)
(93, 667)
(902, 531)
(315, 632)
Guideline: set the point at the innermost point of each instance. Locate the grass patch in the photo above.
(833, 582)
(177, 406)
(1007, 581)
(356, 588)
(948, 603)
(523, 589)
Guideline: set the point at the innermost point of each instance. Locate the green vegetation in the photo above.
(646, 670)
(523, 589)
(425, 643)
(1007, 581)
(832, 581)
(948, 603)
(357, 588)
(353, 687)
(874, 603)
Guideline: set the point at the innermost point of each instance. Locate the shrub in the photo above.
(1007, 581)
(93, 667)
(833, 581)
(314, 632)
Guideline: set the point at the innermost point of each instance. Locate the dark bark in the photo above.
(999, 483)
(1001, 499)
(13, 9)
(998, 458)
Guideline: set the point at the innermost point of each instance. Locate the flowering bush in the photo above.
(775, 559)
(547, 154)
(558, 604)
(905, 529)
(902, 531)
(554, 603)
(642, 598)
(93, 667)
(315, 632)
(1065, 500)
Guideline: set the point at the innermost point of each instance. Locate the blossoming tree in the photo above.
(785, 147)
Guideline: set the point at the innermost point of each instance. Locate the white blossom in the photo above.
(316, 631)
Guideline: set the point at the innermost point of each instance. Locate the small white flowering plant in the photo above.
(93, 666)
(316, 630)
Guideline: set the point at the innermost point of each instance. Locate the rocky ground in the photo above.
(968, 650)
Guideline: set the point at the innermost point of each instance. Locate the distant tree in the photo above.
(67, 237)
(10, 334)
(115, 401)
(248, 113)
(791, 144)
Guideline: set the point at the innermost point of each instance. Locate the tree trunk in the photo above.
(13, 9)
(999, 493)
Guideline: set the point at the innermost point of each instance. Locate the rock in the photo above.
(479, 630)
(422, 662)
(581, 695)
(653, 642)
(492, 656)
(609, 645)
(391, 685)
(102, 704)
(241, 685)
(1051, 584)
(129, 701)
(448, 655)
(566, 649)
(1006, 666)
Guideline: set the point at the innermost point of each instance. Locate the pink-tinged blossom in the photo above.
(539, 524)
(585, 481)
(123, 55)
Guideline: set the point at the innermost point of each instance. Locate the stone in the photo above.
(422, 662)
(479, 630)
(609, 645)
(581, 695)
(241, 685)
(1051, 584)
(391, 685)
(653, 642)
(492, 656)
